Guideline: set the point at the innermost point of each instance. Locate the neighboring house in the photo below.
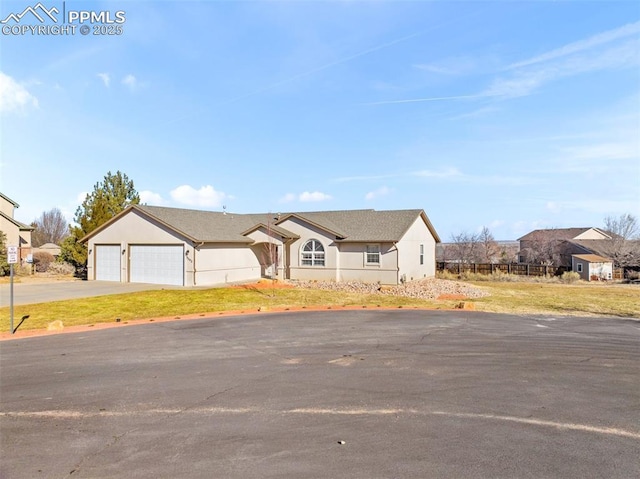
(17, 234)
(151, 244)
(51, 248)
(556, 246)
(592, 267)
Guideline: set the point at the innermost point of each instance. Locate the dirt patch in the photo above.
(451, 296)
(264, 284)
(38, 278)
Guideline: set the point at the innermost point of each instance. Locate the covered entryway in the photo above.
(108, 260)
(156, 264)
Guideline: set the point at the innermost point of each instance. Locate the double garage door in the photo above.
(147, 264)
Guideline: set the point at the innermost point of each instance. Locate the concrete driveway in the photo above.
(30, 293)
(359, 394)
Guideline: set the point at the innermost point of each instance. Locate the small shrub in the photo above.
(570, 277)
(42, 260)
(61, 268)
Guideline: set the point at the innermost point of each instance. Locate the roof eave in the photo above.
(128, 209)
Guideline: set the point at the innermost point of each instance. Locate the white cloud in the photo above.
(382, 191)
(288, 198)
(313, 196)
(106, 79)
(151, 198)
(82, 196)
(571, 60)
(623, 150)
(305, 197)
(131, 82)
(14, 96)
(206, 196)
(631, 29)
(613, 49)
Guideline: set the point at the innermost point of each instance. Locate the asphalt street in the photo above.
(357, 394)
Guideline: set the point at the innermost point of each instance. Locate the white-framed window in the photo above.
(579, 267)
(372, 255)
(312, 253)
(421, 254)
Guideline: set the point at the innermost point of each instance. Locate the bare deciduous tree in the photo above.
(543, 247)
(625, 226)
(51, 227)
(489, 249)
(465, 247)
(624, 246)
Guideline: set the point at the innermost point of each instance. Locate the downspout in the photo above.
(395, 245)
(195, 248)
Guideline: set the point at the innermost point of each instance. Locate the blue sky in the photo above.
(511, 115)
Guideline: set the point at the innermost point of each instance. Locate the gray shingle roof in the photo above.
(554, 233)
(216, 227)
(364, 225)
(208, 226)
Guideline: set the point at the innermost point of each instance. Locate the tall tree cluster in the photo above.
(108, 198)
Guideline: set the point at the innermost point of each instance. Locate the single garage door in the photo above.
(157, 264)
(108, 262)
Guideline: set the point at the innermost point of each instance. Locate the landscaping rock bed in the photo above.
(428, 288)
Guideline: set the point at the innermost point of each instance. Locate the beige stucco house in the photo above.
(151, 244)
(17, 234)
(592, 267)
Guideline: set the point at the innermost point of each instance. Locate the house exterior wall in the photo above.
(15, 237)
(223, 263)
(354, 267)
(601, 270)
(347, 261)
(409, 267)
(6, 207)
(11, 231)
(130, 229)
(294, 267)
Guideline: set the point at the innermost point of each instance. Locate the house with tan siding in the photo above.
(152, 244)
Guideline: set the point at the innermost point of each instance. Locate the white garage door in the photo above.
(108, 262)
(157, 264)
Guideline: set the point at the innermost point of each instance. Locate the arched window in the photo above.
(313, 253)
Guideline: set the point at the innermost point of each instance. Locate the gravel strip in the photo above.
(428, 288)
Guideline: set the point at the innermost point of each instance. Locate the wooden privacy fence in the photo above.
(490, 268)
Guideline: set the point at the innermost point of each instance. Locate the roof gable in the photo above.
(20, 226)
(9, 200)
